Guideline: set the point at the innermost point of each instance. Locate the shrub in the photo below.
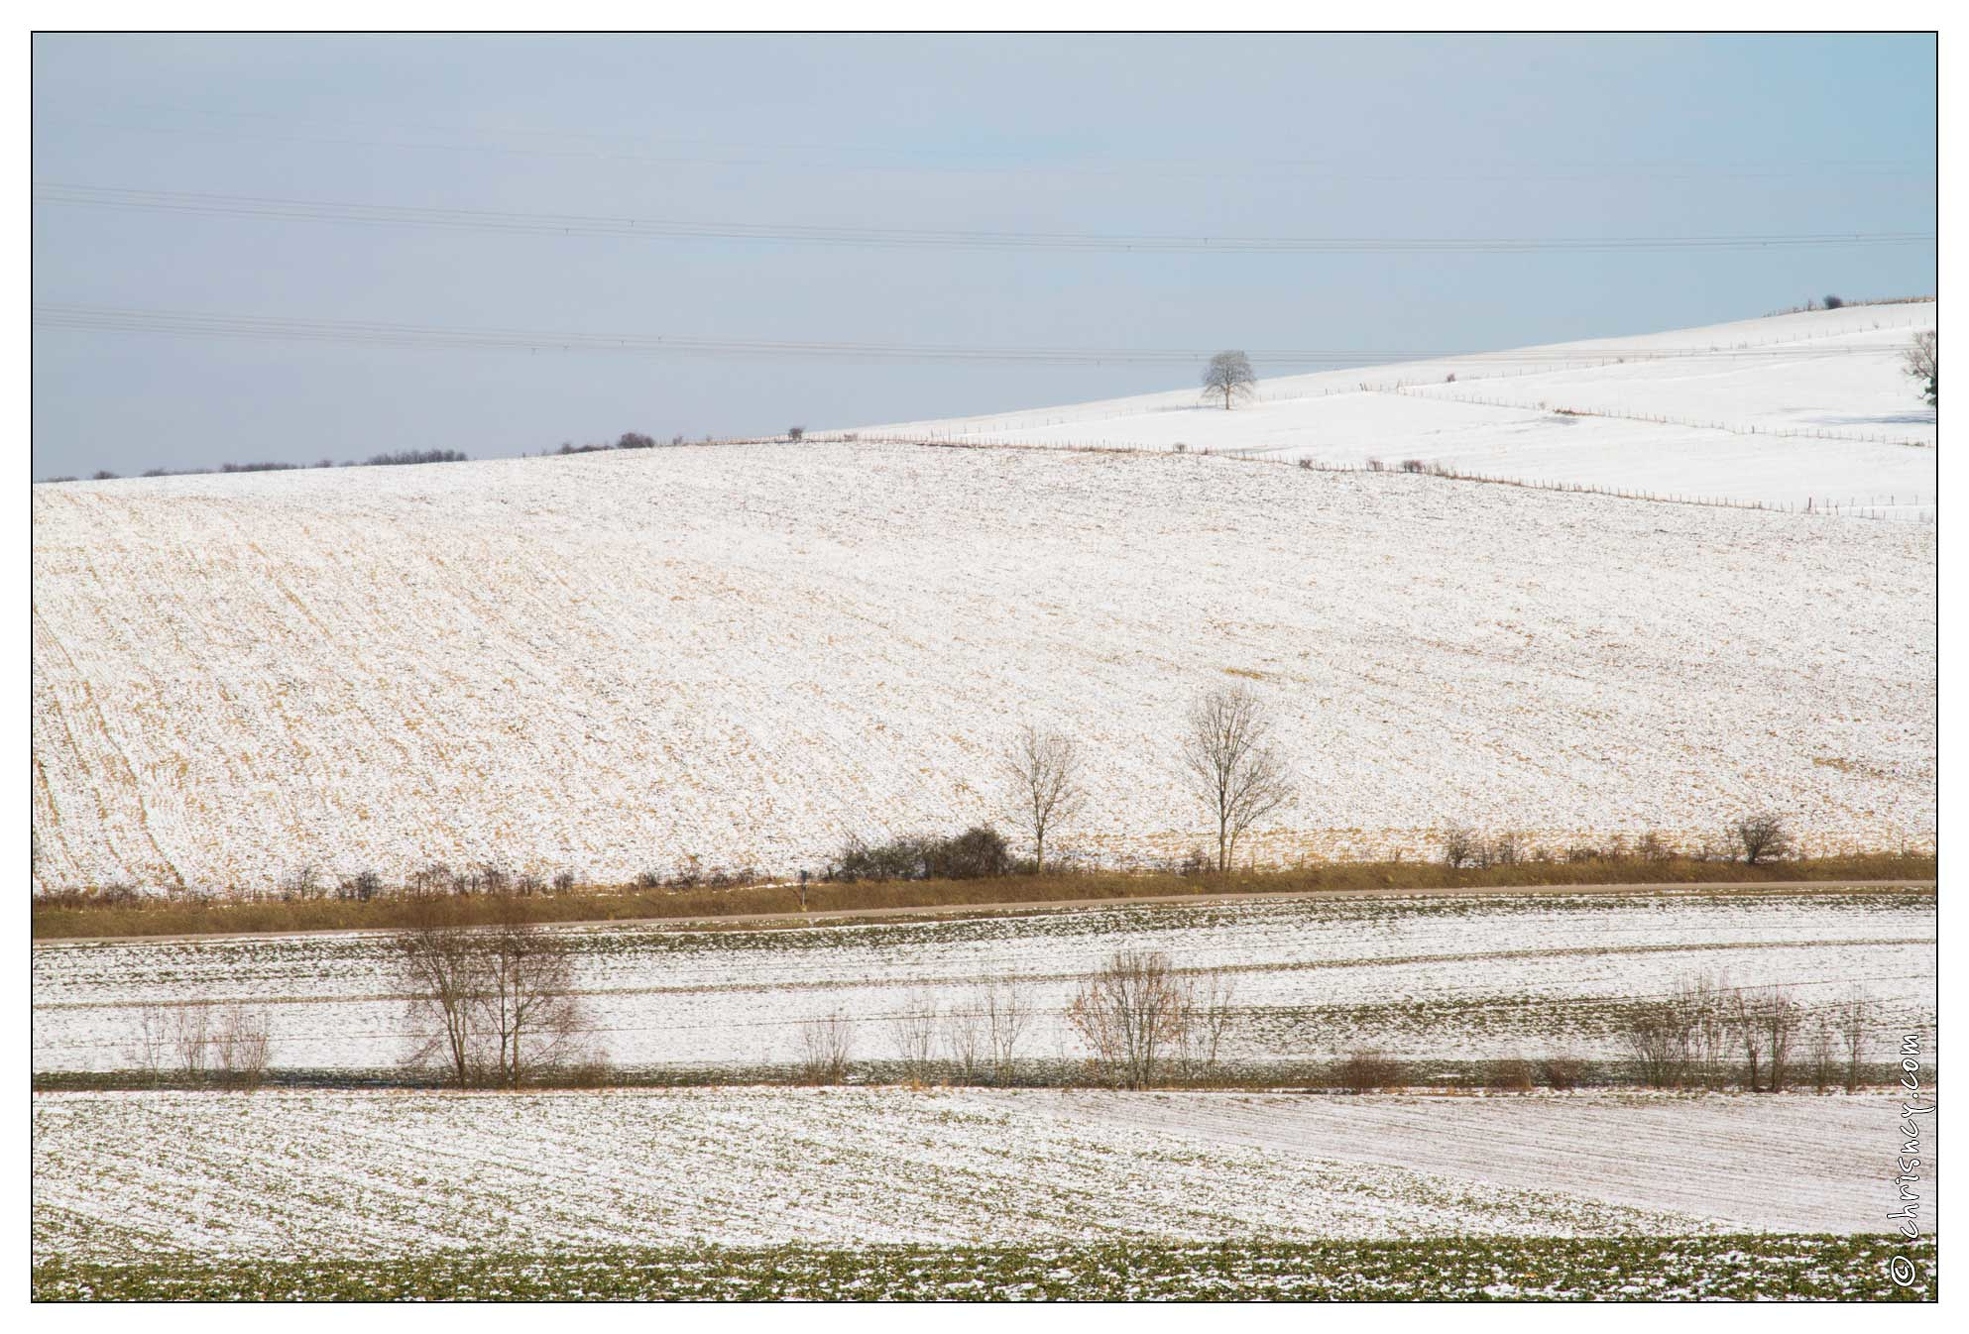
(1564, 1072)
(796, 433)
(564, 882)
(635, 440)
(1834, 302)
(1366, 1071)
(1762, 836)
(826, 1048)
(978, 853)
(1509, 1076)
(1461, 846)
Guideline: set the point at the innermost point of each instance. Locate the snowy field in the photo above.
(1450, 979)
(743, 655)
(1811, 409)
(318, 1174)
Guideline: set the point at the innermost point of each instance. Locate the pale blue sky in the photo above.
(1225, 136)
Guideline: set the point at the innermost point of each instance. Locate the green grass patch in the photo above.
(1739, 1268)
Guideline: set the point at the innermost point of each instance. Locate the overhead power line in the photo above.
(567, 224)
(367, 333)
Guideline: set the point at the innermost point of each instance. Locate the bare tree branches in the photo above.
(827, 1045)
(1228, 756)
(1043, 772)
(1136, 1014)
(493, 1006)
(1229, 374)
(1921, 364)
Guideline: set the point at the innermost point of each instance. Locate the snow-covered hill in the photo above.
(745, 654)
(1794, 411)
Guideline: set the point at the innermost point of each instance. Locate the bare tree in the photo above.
(1921, 364)
(962, 1036)
(149, 1051)
(190, 1039)
(441, 971)
(915, 1033)
(1780, 1014)
(492, 1006)
(1747, 1026)
(1232, 766)
(1206, 1018)
(1761, 836)
(1007, 1014)
(1129, 1013)
(1229, 374)
(533, 1020)
(1820, 1052)
(1042, 770)
(1855, 1024)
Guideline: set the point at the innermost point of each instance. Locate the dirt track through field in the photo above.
(850, 916)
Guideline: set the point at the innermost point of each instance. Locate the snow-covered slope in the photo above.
(744, 654)
(1794, 411)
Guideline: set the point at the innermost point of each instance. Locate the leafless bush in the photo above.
(796, 433)
(1414, 465)
(1780, 1015)
(1761, 836)
(1510, 1075)
(190, 1039)
(1507, 849)
(1138, 1016)
(304, 882)
(241, 1046)
(826, 1047)
(1366, 1071)
(150, 1049)
(564, 882)
(1206, 1018)
(1653, 848)
(915, 1035)
(1460, 844)
(963, 1036)
(1656, 1036)
(1562, 1072)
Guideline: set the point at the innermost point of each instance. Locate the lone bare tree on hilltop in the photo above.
(1229, 374)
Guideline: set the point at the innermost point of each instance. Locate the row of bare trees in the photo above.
(1229, 762)
(1141, 1018)
(1707, 1033)
(228, 1045)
